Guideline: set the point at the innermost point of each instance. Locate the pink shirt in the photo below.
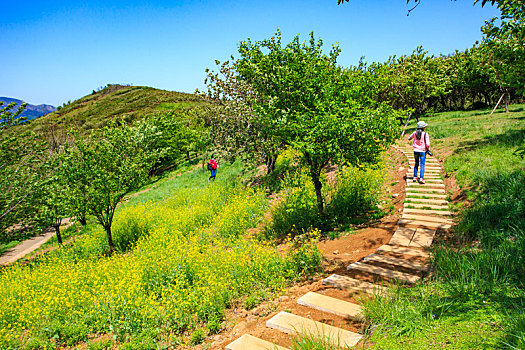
(419, 145)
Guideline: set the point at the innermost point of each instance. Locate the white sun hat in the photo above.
(421, 124)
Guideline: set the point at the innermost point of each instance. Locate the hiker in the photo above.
(212, 167)
(421, 145)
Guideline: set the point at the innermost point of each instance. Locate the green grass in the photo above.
(476, 294)
(6, 246)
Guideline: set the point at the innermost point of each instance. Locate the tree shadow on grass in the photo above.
(510, 138)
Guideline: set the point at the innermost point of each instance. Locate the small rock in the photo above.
(394, 195)
(284, 298)
(240, 327)
(336, 252)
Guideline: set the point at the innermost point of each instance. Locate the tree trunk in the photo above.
(270, 164)
(57, 231)
(315, 174)
(406, 124)
(320, 204)
(82, 220)
(188, 156)
(507, 98)
(110, 239)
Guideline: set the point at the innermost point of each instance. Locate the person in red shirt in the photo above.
(212, 167)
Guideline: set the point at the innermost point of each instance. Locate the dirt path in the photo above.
(26, 247)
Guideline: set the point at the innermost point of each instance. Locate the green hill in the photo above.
(126, 103)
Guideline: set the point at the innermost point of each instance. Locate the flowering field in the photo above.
(182, 262)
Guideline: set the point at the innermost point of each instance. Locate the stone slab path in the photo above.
(425, 211)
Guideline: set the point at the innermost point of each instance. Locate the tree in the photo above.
(298, 96)
(101, 171)
(503, 46)
(8, 118)
(20, 175)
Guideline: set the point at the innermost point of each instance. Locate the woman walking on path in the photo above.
(420, 144)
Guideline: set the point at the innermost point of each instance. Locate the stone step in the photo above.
(424, 200)
(427, 218)
(249, 342)
(422, 191)
(293, 324)
(426, 211)
(427, 162)
(331, 305)
(344, 282)
(428, 172)
(381, 271)
(427, 185)
(427, 180)
(428, 176)
(423, 238)
(403, 250)
(424, 205)
(403, 236)
(396, 261)
(433, 167)
(425, 224)
(410, 195)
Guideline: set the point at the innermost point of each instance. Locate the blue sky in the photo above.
(55, 51)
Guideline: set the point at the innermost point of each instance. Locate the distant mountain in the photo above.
(31, 111)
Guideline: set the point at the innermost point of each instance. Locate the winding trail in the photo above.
(403, 260)
(30, 245)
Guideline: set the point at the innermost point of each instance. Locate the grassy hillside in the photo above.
(182, 260)
(115, 101)
(475, 296)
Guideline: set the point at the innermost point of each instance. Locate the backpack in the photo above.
(209, 166)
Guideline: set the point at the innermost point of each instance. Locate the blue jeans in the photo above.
(419, 156)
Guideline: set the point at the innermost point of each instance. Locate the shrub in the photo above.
(356, 192)
(297, 211)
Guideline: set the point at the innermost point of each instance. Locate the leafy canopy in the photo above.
(298, 96)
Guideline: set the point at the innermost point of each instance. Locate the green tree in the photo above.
(20, 175)
(54, 202)
(8, 118)
(503, 46)
(101, 171)
(298, 96)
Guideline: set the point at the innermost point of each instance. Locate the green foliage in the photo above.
(296, 212)
(303, 255)
(133, 224)
(192, 263)
(355, 192)
(498, 213)
(297, 96)
(504, 46)
(197, 337)
(310, 341)
(8, 118)
(20, 175)
(100, 172)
